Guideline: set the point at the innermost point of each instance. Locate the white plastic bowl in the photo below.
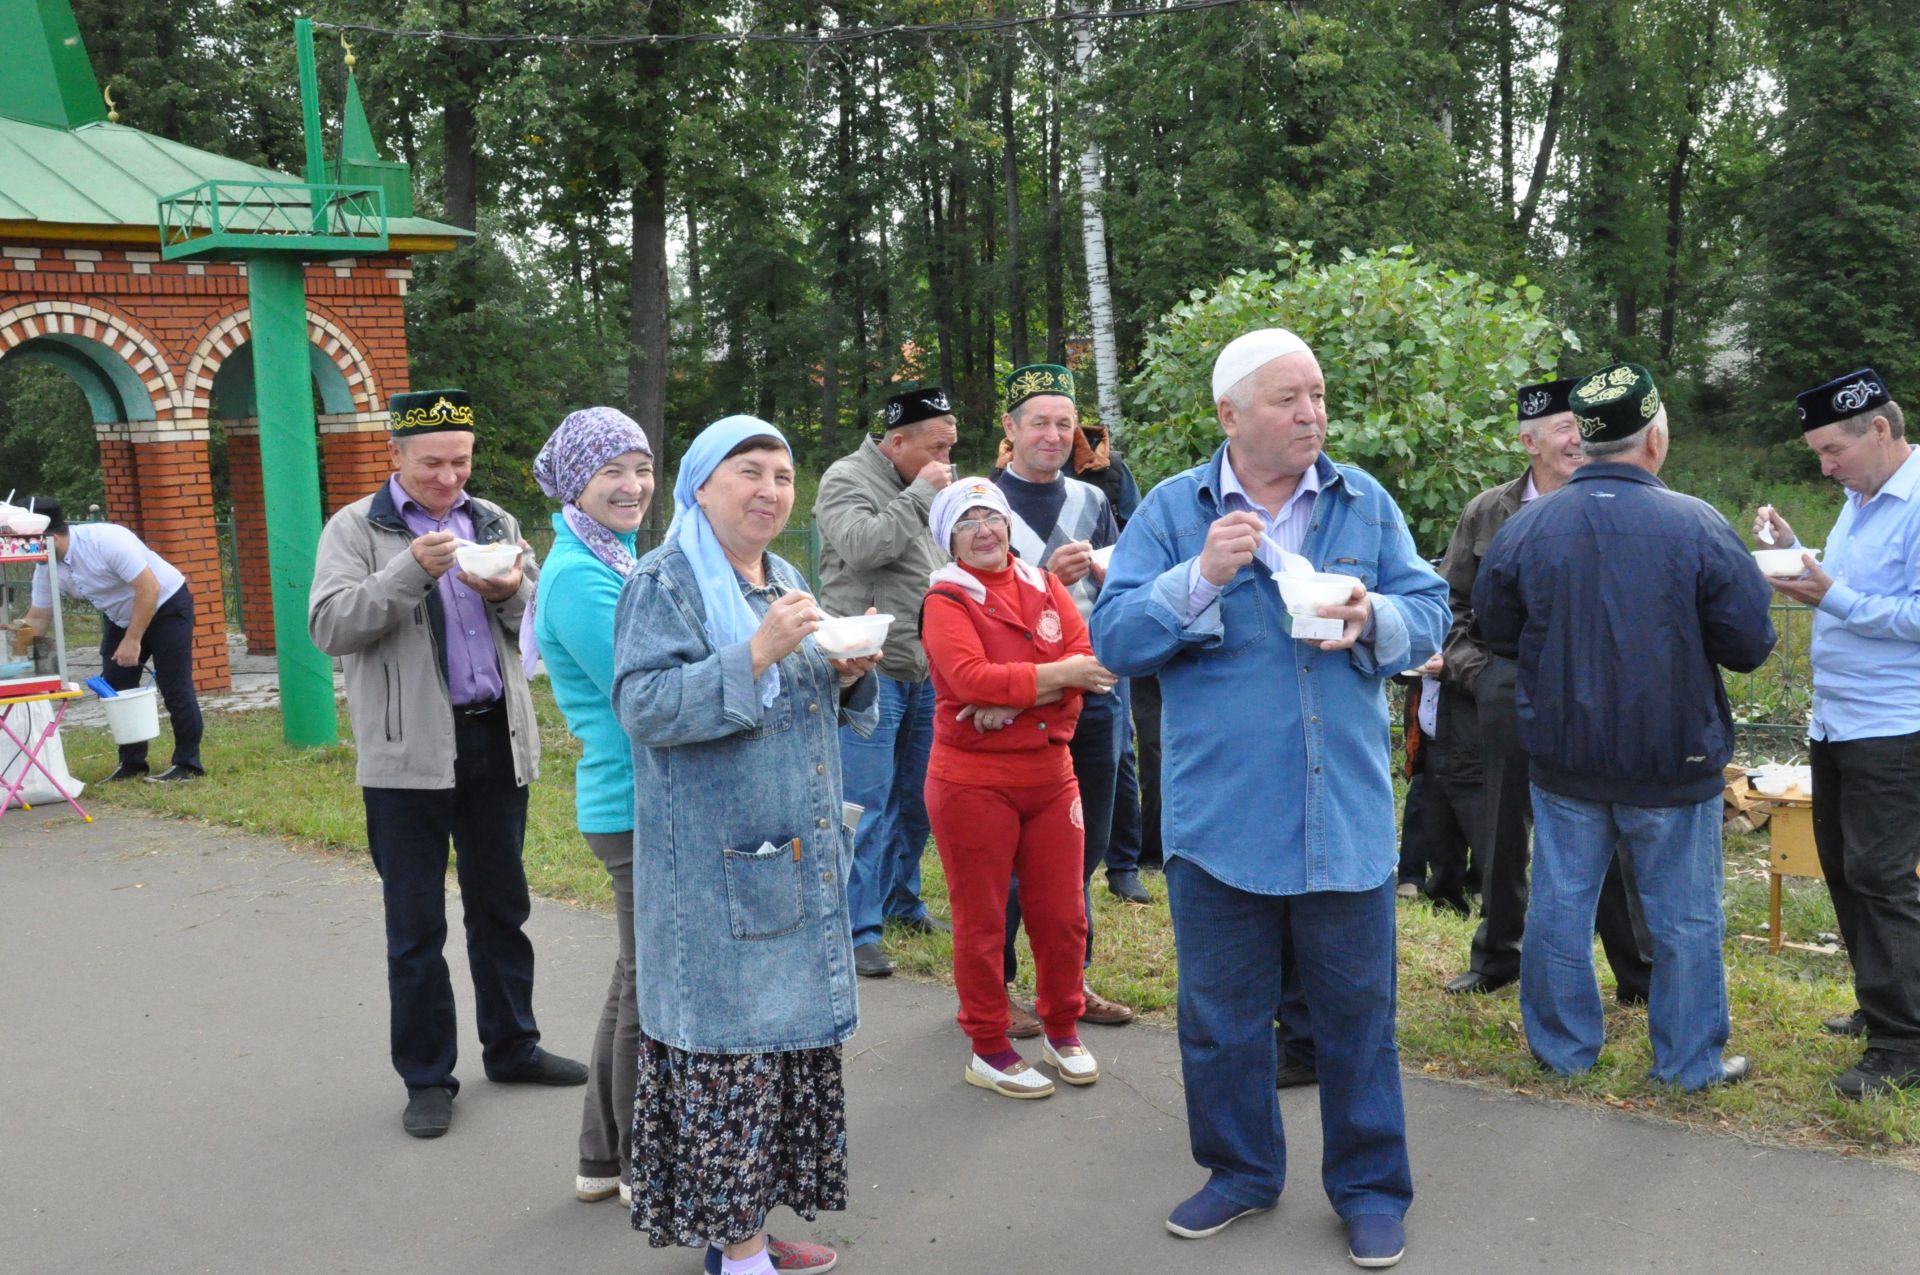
(1782, 563)
(487, 562)
(852, 637)
(1306, 594)
(22, 523)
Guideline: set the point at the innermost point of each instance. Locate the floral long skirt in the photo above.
(721, 1139)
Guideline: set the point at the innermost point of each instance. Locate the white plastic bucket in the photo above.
(133, 716)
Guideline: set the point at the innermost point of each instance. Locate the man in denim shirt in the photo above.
(1278, 803)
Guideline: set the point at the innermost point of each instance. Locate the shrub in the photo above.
(1421, 364)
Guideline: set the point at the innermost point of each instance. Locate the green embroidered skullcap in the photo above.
(430, 412)
(1614, 403)
(1037, 378)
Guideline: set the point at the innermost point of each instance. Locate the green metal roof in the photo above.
(109, 175)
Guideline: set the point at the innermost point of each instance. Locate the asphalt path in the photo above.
(193, 1077)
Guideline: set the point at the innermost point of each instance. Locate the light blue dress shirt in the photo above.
(1866, 633)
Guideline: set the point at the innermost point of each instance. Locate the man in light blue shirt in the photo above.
(1278, 815)
(1864, 737)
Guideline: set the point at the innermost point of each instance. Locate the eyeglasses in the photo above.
(967, 526)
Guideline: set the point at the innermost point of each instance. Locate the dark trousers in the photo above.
(168, 642)
(1866, 826)
(1096, 765)
(484, 815)
(1144, 693)
(1508, 818)
(606, 1118)
(1123, 842)
(1451, 813)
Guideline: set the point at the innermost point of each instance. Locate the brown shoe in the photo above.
(1103, 1011)
(1023, 1025)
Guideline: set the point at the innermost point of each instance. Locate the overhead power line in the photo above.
(828, 37)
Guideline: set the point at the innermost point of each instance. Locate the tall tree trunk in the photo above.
(1506, 110)
(1010, 175)
(648, 321)
(1056, 251)
(940, 282)
(1549, 128)
(1093, 230)
(1677, 175)
(647, 326)
(696, 293)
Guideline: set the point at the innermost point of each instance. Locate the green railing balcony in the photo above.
(237, 219)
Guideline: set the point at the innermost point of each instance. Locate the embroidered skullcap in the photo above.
(1614, 403)
(1844, 397)
(1547, 398)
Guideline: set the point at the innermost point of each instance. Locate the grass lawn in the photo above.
(258, 784)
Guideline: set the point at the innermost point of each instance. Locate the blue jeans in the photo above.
(1228, 943)
(1673, 854)
(887, 773)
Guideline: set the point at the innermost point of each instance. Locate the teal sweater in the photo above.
(573, 618)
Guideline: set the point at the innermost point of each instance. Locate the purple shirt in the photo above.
(473, 666)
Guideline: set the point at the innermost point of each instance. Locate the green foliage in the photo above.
(1837, 227)
(46, 437)
(1421, 363)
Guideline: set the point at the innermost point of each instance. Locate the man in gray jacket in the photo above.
(876, 551)
(447, 745)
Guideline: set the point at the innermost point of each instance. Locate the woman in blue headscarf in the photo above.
(739, 867)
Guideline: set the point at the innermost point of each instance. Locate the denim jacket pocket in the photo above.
(764, 899)
(1243, 617)
(1365, 569)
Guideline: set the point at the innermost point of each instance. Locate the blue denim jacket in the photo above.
(737, 951)
(1275, 772)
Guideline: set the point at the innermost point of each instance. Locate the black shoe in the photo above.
(176, 774)
(1292, 1075)
(1126, 887)
(124, 771)
(1732, 1071)
(428, 1113)
(928, 924)
(1454, 903)
(1854, 1024)
(543, 1069)
(1878, 1071)
(1473, 981)
(870, 962)
(1630, 1000)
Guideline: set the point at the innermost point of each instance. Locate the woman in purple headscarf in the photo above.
(598, 465)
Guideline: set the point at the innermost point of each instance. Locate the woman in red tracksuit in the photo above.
(1010, 660)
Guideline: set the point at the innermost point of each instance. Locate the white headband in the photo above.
(1246, 353)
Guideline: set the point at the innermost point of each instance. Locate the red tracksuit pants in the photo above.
(986, 836)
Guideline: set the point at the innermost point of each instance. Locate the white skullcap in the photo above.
(1245, 353)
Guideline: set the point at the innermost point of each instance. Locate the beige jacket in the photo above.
(374, 606)
(875, 550)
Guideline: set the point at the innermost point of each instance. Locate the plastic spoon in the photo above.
(1291, 564)
(1765, 534)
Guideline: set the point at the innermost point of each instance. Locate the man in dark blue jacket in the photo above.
(1621, 600)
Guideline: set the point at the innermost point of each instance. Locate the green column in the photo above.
(290, 476)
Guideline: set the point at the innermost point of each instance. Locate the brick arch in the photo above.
(234, 328)
(119, 333)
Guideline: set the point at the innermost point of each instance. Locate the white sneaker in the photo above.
(1017, 1081)
(592, 1189)
(1074, 1063)
(626, 1196)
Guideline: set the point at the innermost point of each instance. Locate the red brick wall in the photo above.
(173, 324)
